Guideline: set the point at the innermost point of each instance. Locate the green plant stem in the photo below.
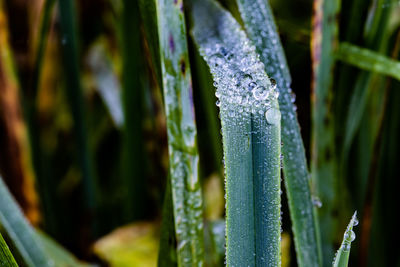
(260, 26)
(181, 129)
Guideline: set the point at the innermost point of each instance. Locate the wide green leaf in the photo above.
(250, 119)
(260, 26)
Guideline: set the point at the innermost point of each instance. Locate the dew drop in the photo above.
(273, 116)
(217, 59)
(251, 86)
(351, 236)
(316, 201)
(261, 93)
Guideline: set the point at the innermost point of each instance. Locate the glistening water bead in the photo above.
(273, 116)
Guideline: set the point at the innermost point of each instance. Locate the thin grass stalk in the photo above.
(69, 41)
(323, 165)
(15, 150)
(250, 120)
(342, 255)
(6, 258)
(132, 99)
(19, 231)
(260, 26)
(30, 99)
(368, 60)
(181, 129)
(45, 23)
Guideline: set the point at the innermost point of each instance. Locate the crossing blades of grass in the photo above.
(342, 255)
(260, 26)
(250, 119)
(376, 38)
(181, 128)
(323, 165)
(19, 231)
(6, 258)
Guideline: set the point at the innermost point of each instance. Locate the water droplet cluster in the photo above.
(242, 86)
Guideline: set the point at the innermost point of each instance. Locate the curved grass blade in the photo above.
(250, 119)
(19, 231)
(342, 255)
(260, 26)
(107, 83)
(60, 256)
(181, 128)
(6, 258)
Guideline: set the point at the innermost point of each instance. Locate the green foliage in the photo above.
(118, 54)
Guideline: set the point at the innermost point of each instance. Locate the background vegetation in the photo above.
(83, 130)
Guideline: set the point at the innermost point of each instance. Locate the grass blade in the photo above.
(107, 83)
(181, 128)
(19, 231)
(14, 148)
(260, 26)
(60, 256)
(132, 101)
(250, 119)
(6, 258)
(75, 97)
(342, 255)
(368, 60)
(323, 165)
